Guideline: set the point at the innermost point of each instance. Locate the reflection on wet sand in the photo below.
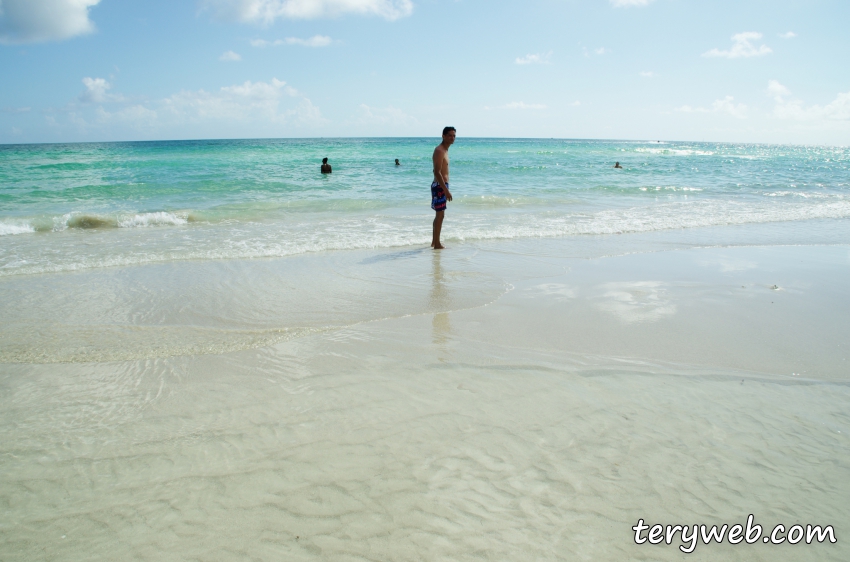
(439, 300)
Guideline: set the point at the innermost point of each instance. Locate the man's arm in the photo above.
(438, 167)
(439, 158)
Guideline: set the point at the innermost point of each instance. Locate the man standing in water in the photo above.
(440, 186)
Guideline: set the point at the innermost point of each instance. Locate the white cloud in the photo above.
(230, 56)
(599, 51)
(33, 21)
(267, 11)
(648, 74)
(629, 3)
(837, 110)
(788, 35)
(576, 103)
(258, 101)
(518, 105)
(384, 116)
(777, 90)
(742, 47)
(726, 105)
(248, 109)
(314, 41)
(534, 59)
(95, 91)
(262, 43)
(137, 116)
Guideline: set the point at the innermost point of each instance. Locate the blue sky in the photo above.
(738, 71)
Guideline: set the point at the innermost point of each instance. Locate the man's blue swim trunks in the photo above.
(438, 197)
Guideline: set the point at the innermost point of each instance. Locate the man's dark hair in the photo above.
(324, 160)
(447, 129)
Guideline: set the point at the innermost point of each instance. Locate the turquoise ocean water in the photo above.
(68, 207)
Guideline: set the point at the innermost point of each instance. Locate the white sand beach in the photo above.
(503, 400)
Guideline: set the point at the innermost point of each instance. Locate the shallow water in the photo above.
(81, 206)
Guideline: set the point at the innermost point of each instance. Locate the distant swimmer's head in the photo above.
(397, 163)
(324, 160)
(449, 134)
(617, 165)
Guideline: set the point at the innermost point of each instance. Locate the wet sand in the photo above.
(528, 400)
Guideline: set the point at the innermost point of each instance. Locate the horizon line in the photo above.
(571, 139)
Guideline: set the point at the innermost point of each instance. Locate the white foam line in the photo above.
(246, 241)
(12, 228)
(160, 218)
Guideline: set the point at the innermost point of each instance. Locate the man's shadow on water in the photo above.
(439, 297)
(439, 300)
(393, 256)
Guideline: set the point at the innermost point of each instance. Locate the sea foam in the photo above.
(320, 232)
(120, 220)
(8, 228)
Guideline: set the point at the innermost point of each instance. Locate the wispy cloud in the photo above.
(384, 116)
(265, 12)
(648, 74)
(271, 107)
(230, 56)
(315, 41)
(726, 105)
(742, 47)
(96, 91)
(629, 3)
(790, 108)
(249, 99)
(599, 51)
(534, 59)
(523, 105)
(777, 90)
(788, 35)
(35, 21)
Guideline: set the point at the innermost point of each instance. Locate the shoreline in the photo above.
(280, 298)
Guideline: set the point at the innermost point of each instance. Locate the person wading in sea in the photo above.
(440, 186)
(326, 168)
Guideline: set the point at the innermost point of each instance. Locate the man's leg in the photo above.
(438, 226)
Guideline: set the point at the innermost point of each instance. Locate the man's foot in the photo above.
(438, 247)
